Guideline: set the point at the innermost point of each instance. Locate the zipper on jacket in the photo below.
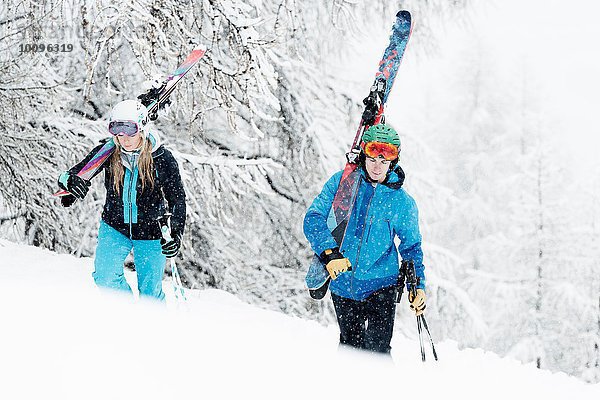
(361, 240)
(130, 207)
(369, 228)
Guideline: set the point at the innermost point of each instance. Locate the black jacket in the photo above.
(139, 221)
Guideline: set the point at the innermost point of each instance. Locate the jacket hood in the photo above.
(394, 179)
(155, 139)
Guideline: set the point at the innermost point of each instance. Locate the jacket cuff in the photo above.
(330, 254)
(321, 246)
(63, 179)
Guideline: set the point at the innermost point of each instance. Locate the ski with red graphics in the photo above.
(154, 99)
(317, 277)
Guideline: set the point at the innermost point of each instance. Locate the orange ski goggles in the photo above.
(376, 149)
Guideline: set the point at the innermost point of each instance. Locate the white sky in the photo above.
(560, 40)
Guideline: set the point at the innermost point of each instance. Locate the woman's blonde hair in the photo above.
(145, 167)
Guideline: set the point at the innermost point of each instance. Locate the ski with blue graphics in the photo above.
(317, 278)
(154, 99)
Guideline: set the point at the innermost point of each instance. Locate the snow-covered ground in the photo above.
(61, 338)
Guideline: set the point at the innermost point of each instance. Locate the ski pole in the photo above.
(404, 276)
(420, 330)
(413, 291)
(165, 230)
(177, 285)
(429, 334)
(413, 281)
(401, 280)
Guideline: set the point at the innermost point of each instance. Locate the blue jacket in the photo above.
(379, 216)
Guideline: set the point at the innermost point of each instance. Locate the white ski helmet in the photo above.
(130, 110)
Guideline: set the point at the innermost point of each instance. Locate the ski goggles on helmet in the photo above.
(120, 128)
(376, 149)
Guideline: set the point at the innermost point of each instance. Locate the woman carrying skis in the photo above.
(139, 176)
(365, 270)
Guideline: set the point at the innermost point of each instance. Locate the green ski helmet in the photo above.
(382, 133)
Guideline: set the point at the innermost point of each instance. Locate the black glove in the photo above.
(152, 95)
(76, 186)
(67, 200)
(171, 248)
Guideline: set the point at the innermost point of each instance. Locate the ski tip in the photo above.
(403, 14)
(319, 293)
(200, 48)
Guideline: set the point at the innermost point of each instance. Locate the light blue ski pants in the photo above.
(111, 252)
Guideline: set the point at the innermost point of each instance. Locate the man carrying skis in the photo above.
(140, 176)
(365, 270)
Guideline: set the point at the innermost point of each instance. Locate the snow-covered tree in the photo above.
(247, 124)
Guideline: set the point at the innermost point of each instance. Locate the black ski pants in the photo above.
(367, 324)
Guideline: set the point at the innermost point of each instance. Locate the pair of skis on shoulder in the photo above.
(153, 100)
